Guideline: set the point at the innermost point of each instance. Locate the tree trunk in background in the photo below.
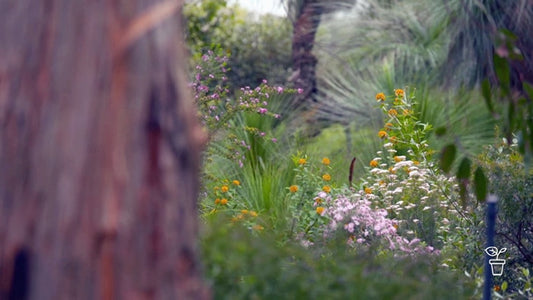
(99, 150)
(304, 62)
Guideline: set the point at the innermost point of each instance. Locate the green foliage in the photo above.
(247, 264)
(258, 47)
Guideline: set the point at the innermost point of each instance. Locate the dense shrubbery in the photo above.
(258, 47)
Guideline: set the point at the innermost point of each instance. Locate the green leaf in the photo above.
(480, 185)
(440, 131)
(501, 66)
(464, 169)
(525, 271)
(447, 157)
(487, 94)
(504, 286)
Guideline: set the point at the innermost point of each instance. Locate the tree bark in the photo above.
(99, 150)
(304, 61)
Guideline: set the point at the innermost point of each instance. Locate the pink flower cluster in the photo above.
(365, 224)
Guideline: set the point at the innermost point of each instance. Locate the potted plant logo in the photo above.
(496, 264)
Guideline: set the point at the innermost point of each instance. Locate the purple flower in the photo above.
(279, 89)
(211, 76)
(262, 134)
(300, 90)
(262, 111)
(274, 140)
(277, 116)
(265, 81)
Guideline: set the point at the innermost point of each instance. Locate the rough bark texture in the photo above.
(304, 62)
(99, 148)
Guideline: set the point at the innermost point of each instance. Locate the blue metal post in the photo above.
(492, 210)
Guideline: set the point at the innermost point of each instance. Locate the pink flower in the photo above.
(262, 111)
(279, 89)
(300, 90)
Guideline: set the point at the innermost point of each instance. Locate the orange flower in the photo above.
(223, 201)
(326, 188)
(368, 190)
(416, 162)
(406, 112)
(217, 201)
(392, 171)
(325, 161)
(293, 188)
(388, 126)
(393, 139)
(236, 182)
(302, 161)
(224, 188)
(244, 211)
(253, 213)
(373, 163)
(320, 210)
(326, 177)
(382, 134)
(380, 97)
(497, 288)
(393, 112)
(258, 227)
(399, 92)
(398, 158)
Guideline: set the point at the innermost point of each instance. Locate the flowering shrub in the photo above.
(218, 109)
(405, 203)
(309, 211)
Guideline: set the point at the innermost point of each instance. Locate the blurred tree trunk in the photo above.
(307, 19)
(99, 150)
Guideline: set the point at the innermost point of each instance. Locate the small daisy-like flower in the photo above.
(380, 97)
(374, 163)
(293, 188)
(382, 134)
(326, 188)
(391, 170)
(320, 210)
(223, 201)
(399, 158)
(302, 161)
(325, 161)
(392, 112)
(399, 92)
(416, 162)
(368, 190)
(236, 182)
(326, 177)
(224, 188)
